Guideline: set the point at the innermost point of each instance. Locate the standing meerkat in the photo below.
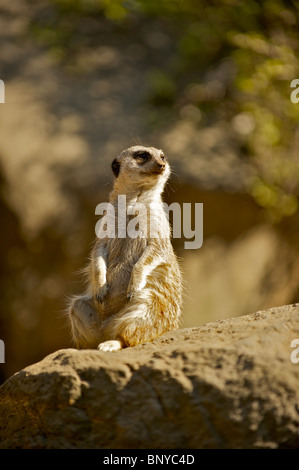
(134, 291)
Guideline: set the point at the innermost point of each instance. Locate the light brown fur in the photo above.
(134, 285)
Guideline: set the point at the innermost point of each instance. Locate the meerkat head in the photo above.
(140, 165)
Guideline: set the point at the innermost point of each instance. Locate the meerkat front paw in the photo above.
(131, 292)
(102, 293)
(133, 289)
(129, 296)
(112, 345)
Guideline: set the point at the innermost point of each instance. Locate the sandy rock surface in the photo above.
(228, 384)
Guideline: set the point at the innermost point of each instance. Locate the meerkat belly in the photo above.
(123, 254)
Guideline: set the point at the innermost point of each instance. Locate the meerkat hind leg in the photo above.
(111, 345)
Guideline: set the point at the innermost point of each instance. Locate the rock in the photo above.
(228, 384)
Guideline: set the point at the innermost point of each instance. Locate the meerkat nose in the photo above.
(161, 165)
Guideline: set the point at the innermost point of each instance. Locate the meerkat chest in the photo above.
(147, 219)
(137, 219)
(135, 223)
(125, 251)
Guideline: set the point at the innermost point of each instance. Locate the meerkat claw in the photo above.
(100, 298)
(102, 294)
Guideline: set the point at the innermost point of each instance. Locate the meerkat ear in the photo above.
(115, 167)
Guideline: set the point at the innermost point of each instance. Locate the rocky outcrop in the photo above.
(228, 384)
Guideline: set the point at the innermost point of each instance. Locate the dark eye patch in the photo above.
(141, 155)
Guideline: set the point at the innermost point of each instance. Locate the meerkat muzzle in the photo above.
(159, 168)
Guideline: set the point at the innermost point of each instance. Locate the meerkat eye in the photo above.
(144, 156)
(162, 157)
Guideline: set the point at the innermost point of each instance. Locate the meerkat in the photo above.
(134, 289)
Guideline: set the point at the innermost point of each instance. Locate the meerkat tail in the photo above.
(84, 321)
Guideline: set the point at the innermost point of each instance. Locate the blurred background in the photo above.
(207, 81)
